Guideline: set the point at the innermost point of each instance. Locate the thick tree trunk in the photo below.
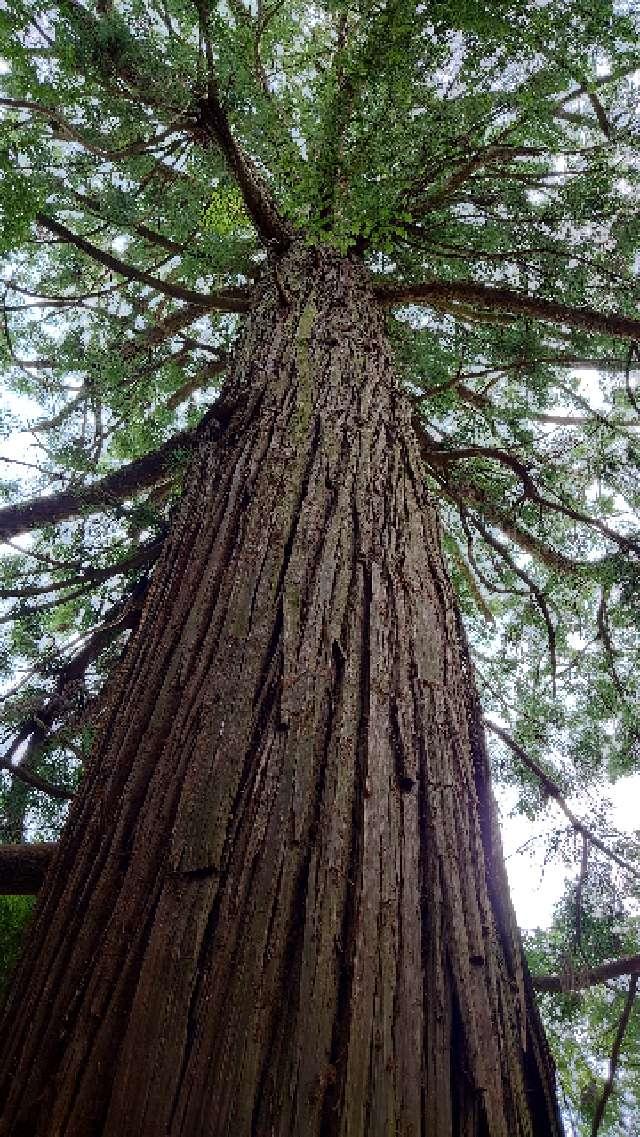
(279, 908)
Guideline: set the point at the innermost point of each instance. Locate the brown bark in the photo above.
(23, 867)
(279, 906)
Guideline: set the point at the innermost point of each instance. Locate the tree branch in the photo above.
(225, 300)
(507, 300)
(69, 131)
(589, 977)
(35, 781)
(140, 474)
(213, 125)
(553, 790)
(530, 489)
(114, 487)
(23, 867)
(615, 1055)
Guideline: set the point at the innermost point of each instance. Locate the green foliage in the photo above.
(14, 915)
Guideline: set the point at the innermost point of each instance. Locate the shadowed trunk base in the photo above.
(279, 908)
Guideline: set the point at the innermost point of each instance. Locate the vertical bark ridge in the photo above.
(279, 905)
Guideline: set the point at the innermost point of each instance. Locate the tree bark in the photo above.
(279, 906)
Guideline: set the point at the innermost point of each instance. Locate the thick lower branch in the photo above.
(507, 300)
(576, 981)
(23, 868)
(138, 475)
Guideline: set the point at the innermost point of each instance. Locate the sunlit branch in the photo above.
(212, 124)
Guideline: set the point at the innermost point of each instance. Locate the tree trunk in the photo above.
(279, 907)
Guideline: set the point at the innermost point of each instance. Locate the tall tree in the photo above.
(304, 291)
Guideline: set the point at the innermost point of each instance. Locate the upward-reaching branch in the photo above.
(213, 125)
(615, 1055)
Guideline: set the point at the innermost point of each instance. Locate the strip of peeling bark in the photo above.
(505, 299)
(23, 868)
(589, 977)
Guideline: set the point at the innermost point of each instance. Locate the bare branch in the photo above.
(589, 977)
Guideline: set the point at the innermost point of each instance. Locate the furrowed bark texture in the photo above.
(279, 908)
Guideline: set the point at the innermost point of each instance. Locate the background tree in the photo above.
(481, 162)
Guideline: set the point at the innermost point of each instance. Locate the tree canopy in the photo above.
(483, 160)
